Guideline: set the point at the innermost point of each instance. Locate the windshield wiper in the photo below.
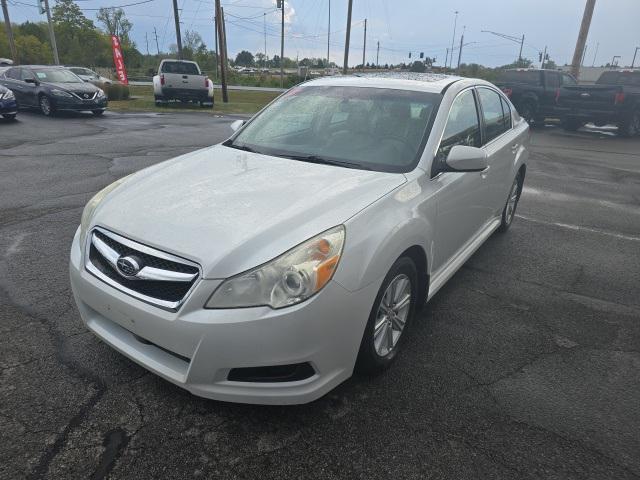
(325, 161)
(244, 148)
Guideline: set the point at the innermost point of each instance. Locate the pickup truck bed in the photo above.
(604, 103)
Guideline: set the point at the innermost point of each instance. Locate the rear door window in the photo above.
(13, 73)
(568, 80)
(495, 120)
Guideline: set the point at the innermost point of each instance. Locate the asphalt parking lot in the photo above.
(526, 365)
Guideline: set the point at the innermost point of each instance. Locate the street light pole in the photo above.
(52, 34)
(176, 17)
(364, 48)
(345, 66)
(582, 37)
(633, 62)
(282, 46)
(453, 38)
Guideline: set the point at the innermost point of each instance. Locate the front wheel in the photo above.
(97, 113)
(631, 127)
(46, 106)
(509, 210)
(9, 116)
(393, 310)
(571, 124)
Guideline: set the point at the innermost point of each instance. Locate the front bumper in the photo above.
(8, 107)
(195, 348)
(64, 103)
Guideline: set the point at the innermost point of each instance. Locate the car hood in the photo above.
(231, 210)
(78, 87)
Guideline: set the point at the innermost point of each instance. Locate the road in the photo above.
(526, 365)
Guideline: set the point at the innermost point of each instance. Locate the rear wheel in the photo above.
(46, 106)
(631, 127)
(528, 111)
(97, 113)
(509, 210)
(392, 312)
(571, 124)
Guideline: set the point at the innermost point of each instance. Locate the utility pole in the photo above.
(584, 54)
(582, 37)
(446, 59)
(178, 36)
(460, 51)
(453, 38)
(378, 55)
(345, 67)
(155, 32)
(595, 54)
(633, 62)
(544, 57)
(223, 53)
(328, 34)
(520, 54)
(215, 27)
(281, 3)
(264, 21)
(52, 34)
(7, 24)
(146, 40)
(364, 47)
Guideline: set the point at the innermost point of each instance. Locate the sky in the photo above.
(401, 26)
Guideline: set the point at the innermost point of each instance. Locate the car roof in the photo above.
(50, 67)
(425, 82)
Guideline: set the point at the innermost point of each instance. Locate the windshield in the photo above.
(56, 76)
(520, 76)
(183, 68)
(373, 128)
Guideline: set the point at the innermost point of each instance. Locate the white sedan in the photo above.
(269, 267)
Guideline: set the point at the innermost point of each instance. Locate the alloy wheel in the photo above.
(512, 201)
(392, 314)
(45, 105)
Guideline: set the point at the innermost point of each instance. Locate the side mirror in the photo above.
(466, 159)
(235, 126)
(31, 80)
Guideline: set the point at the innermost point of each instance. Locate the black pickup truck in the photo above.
(534, 92)
(614, 99)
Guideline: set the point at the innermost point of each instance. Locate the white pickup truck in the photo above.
(182, 80)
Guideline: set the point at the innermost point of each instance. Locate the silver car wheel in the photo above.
(512, 201)
(392, 315)
(45, 105)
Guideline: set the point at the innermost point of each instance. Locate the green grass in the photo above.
(240, 101)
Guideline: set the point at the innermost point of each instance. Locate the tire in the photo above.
(528, 111)
(159, 100)
(377, 353)
(9, 116)
(631, 127)
(97, 113)
(46, 106)
(570, 124)
(509, 210)
(206, 104)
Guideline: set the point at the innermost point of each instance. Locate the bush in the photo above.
(117, 91)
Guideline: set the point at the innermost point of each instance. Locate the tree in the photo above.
(245, 59)
(260, 59)
(418, 66)
(66, 13)
(116, 23)
(32, 50)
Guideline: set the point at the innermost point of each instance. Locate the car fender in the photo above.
(157, 87)
(378, 235)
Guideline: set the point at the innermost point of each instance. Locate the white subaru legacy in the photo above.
(268, 268)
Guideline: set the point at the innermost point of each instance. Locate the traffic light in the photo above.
(278, 3)
(41, 5)
(409, 54)
(421, 54)
(539, 56)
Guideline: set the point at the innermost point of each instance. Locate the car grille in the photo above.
(158, 278)
(89, 95)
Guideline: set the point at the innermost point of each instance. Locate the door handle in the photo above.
(514, 147)
(485, 172)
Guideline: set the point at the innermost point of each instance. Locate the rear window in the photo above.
(520, 76)
(181, 68)
(619, 78)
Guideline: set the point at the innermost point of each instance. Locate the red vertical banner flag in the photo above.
(118, 60)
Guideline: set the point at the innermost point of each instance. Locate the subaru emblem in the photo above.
(128, 267)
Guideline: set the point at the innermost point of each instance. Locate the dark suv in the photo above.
(53, 88)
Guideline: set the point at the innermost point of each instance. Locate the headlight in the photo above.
(7, 95)
(286, 280)
(90, 207)
(100, 93)
(60, 93)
